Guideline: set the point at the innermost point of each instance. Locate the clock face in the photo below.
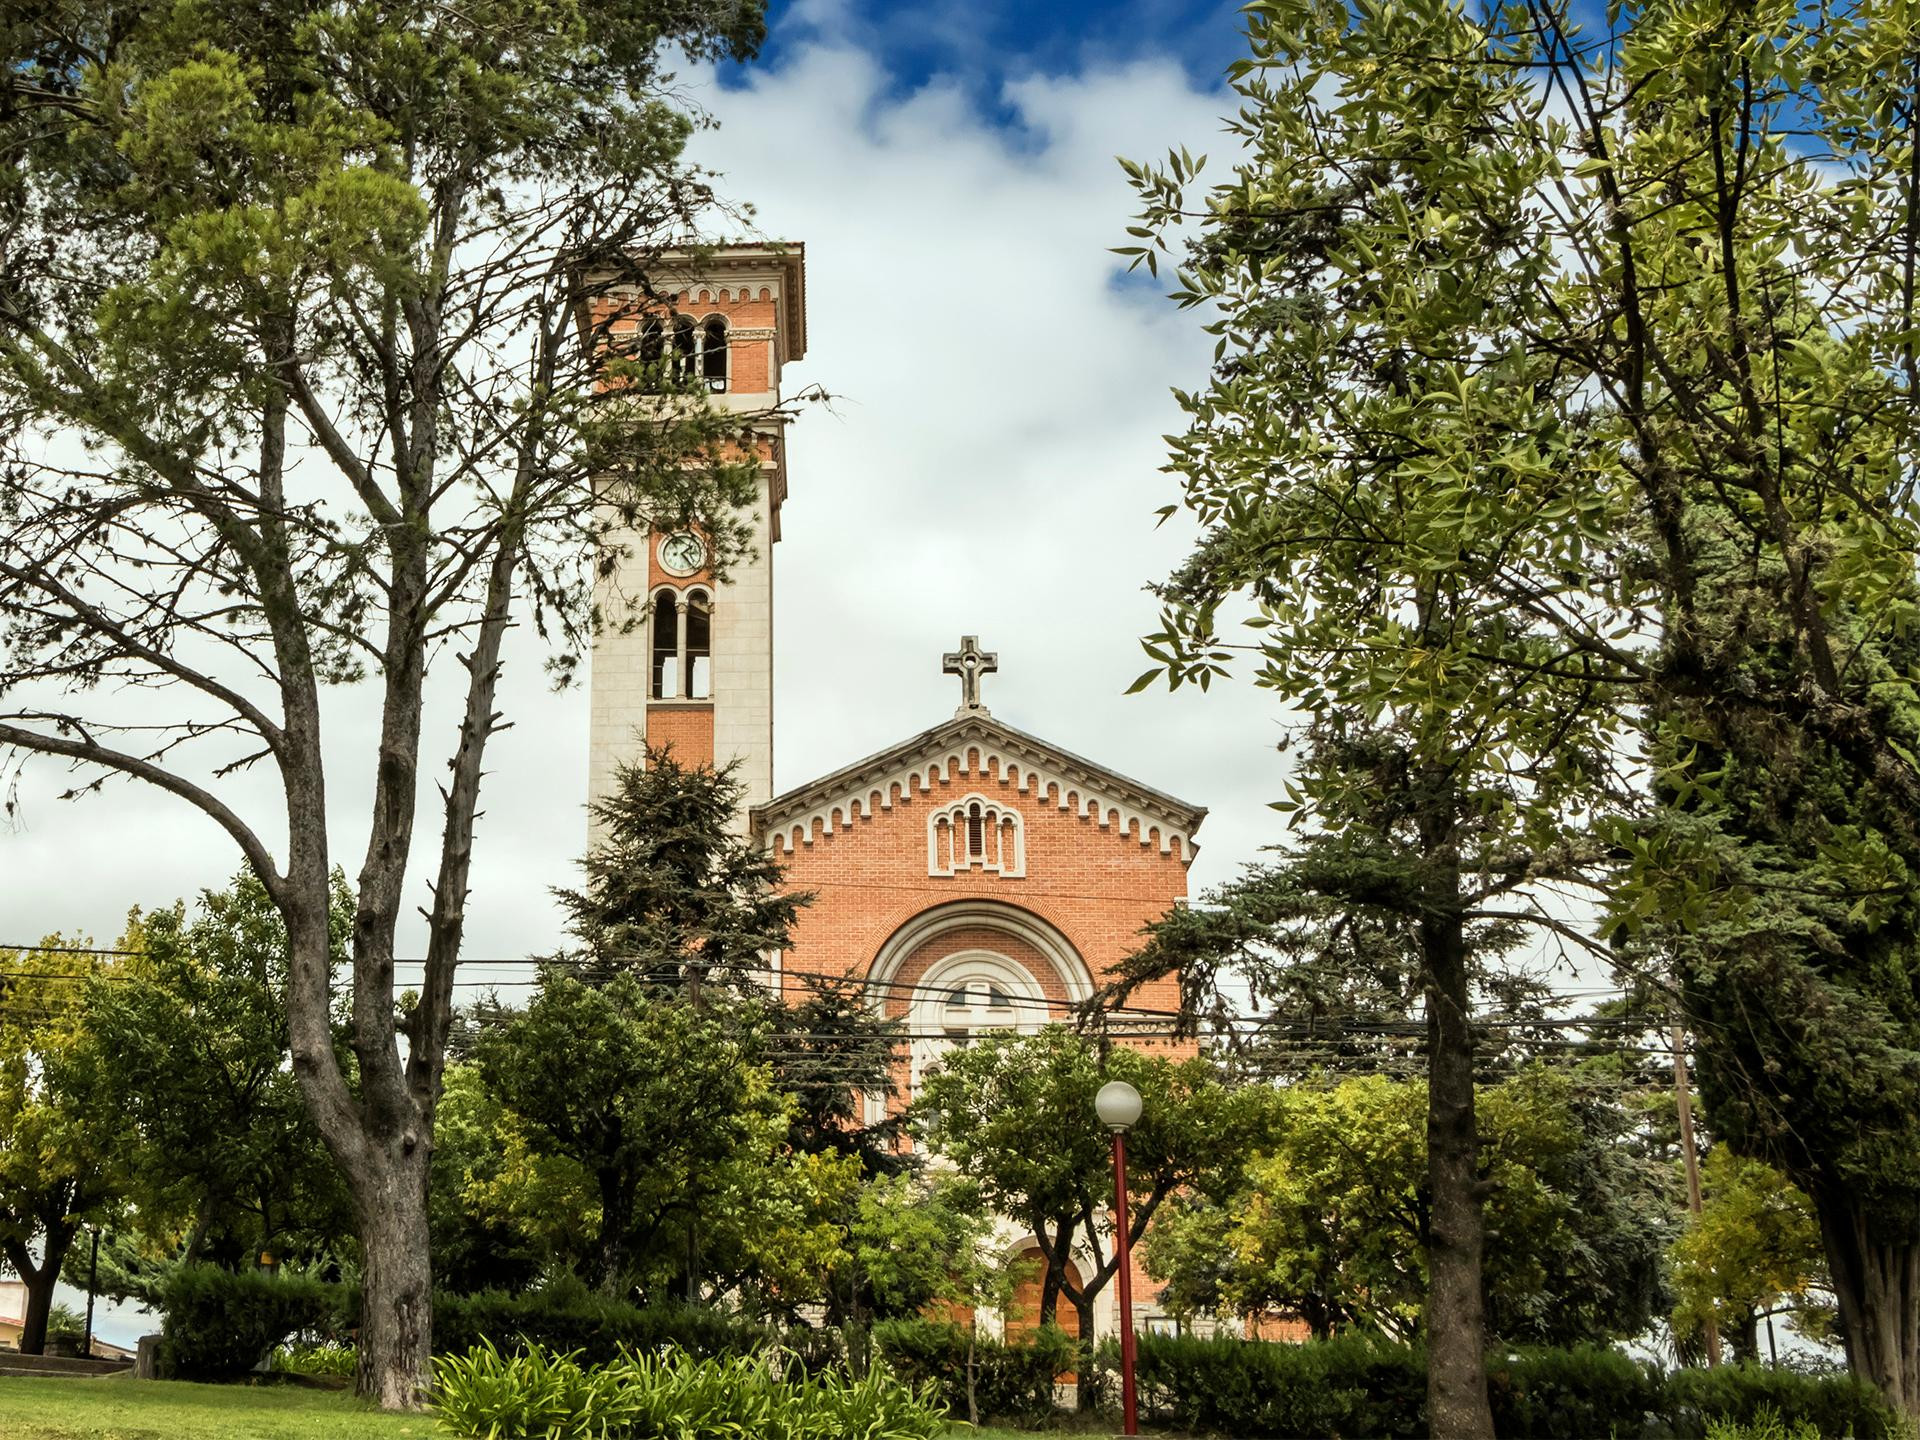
(682, 553)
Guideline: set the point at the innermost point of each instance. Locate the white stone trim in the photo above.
(928, 1011)
(1004, 854)
(1043, 784)
(1022, 924)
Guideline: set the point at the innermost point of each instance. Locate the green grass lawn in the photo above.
(62, 1408)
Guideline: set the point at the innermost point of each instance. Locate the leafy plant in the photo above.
(328, 1360)
(537, 1393)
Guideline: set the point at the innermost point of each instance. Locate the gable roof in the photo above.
(1036, 767)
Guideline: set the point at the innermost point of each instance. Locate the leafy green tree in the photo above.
(499, 1218)
(1015, 1114)
(664, 1113)
(922, 1248)
(1565, 367)
(1754, 1244)
(1331, 1222)
(62, 1146)
(674, 892)
(191, 1034)
(304, 381)
(831, 1052)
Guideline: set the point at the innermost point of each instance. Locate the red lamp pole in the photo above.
(1124, 1244)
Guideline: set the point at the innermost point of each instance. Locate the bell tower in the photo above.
(682, 660)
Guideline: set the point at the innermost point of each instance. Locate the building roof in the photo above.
(1034, 764)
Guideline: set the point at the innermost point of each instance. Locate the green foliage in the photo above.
(1553, 434)
(654, 1105)
(917, 1244)
(674, 892)
(1766, 1425)
(536, 1393)
(1357, 1385)
(1011, 1380)
(330, 1361)
(1755, 1242)
(63, 1159)
(569, 1319)
(1012, 1114)
(64, 1323)
(1331, 1221)
(191, 1034)
(219, 1324)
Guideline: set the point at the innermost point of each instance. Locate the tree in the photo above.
(305, 380)
(674, 892)
(1015, 1114)
(834, 1055)
(924, 1247)
(62, 1160)
(1605, 340)
(667, 1116)
(1755, 1243)
(1331, 1223)
(190, 1035)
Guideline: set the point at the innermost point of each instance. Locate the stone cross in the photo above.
(969, 662)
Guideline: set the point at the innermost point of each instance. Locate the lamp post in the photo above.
(1118, 1105)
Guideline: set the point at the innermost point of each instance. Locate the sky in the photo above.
(989, 464)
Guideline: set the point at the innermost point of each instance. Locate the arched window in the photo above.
(713, 353)
(976, 834)
(967, 995)
(666, 646)
(652, 341)
(682, 645)
(685, 345)
(699, 645)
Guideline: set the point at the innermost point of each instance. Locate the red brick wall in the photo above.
(687, 729)
(1097, 886)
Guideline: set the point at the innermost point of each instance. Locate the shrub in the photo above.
(1011, 1381)
(1582, 1390)
(1754, 1395)
(534, 1392)
(1348, 1386)
(330, 1361)
(1355, 1385)
(219, 1324)
(571, 1319)
(1767, 1425)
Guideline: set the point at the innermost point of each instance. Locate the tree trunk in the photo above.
(396, 1318)
(1085, 1391)
(1876, 1280)
(40, 1281)
(33, 1328)
(616, 1219)
(1457, 1405)
(1746, 1338)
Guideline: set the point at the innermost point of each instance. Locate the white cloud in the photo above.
(991, 466)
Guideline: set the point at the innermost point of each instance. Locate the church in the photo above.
(972, 876)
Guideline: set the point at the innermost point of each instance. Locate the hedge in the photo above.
(219, 1324)
(1357, 1385)
(1011, 1381)
(571, 1319)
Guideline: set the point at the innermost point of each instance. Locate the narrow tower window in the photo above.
(713, 353)
(684, 345)
(699, 662)
(666, 646)
(976, 834)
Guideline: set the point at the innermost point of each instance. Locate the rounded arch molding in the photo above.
(1020, 924)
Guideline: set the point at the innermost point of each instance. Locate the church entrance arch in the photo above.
(970, 967)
